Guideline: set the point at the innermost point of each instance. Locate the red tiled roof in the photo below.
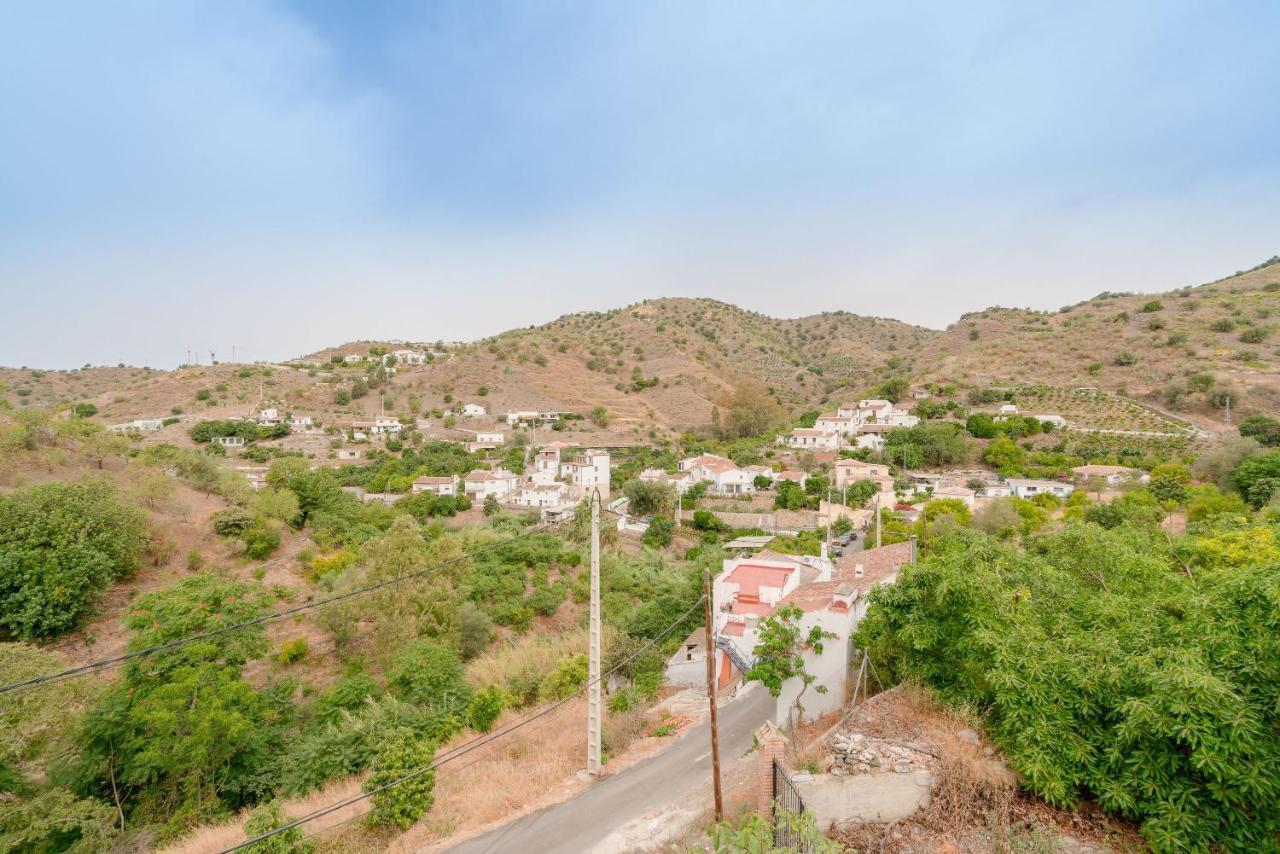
(751, 577)
(750, 609)
(734, 629)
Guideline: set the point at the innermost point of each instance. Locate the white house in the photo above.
(845, 425)
(590, 473)
(1111, 475)
(750, 589)
(473, 410)
(869, 441)
(436, 485)
(301, 422)
(958, 492)
(269, 417)
(407, 357)
(723, 473)
(680, 482)
(500, 483)
(348, 453)
(142, 425)
(546, 496)
(228, 441)
(812, 439)
(1008, 409)
(1025, 487)
(521, 416)
(688, 664)
(351, 358)
(486, 439)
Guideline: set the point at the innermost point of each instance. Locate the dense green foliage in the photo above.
(61, 545)
(1113, 664)
(405, 759)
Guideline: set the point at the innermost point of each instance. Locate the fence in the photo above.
(786, 798)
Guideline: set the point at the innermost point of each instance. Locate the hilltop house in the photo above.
(407, 357)
(301, 422)
(958, 492)
(472, 410)
(1111, 475)
(680, 482)
(436, 485)
(844, 425)
(831, 596)
(228, 441)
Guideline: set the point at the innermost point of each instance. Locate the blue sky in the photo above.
(284, 176)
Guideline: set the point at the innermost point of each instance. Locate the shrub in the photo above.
(1125, 359)
(403, 753)
(660, 533)
(546, 599)
(293, 651)
(430, 673)
(260, 542)
(61, 544)
(267, 817)
(705, 520)
(569, 675)
(484, 708)
(1152, 305)
(1223, 324)
(1176, 339)
(1254, 335)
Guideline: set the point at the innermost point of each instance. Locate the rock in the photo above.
(838, 772)
(828, 763)
(903, 767)
(967, 735)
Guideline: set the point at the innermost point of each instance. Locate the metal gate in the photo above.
(786, 798)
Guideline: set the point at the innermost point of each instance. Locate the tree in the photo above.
(780, 653)
(705, 520)
(1258, 477)
(474, 630)
(431, 674)
(491, 505)
(646, 497)
(484, 709)
(61, 545)
(404, 760)
(892, 389)
(182, 737)
(1264, 429)
(981, 426)
(1179, 675)
(600, 416)
(660, 533)
(1005, 455)
(752, 410)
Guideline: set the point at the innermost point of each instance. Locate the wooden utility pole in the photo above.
(593, 672)
(711, 698)
(877, 519)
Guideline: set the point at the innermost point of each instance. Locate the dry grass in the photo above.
(528, 657)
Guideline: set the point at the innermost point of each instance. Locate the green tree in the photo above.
(430, 673)
(1258, 477)
(1264, 429)
(780, 654)
(752, 410)
(484, 708)
(646, 497)
(402, 784)
(1005, 455)
(61, 545)
(491, 505)
(660, 533)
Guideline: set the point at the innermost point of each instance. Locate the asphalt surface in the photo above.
(684, 768)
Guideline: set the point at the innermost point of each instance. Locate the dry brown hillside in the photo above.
(660, 366)
(1150, 345)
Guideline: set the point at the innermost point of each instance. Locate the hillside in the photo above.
(660, 366)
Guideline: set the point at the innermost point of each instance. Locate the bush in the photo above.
(569, 675)
(430, 674)
(484, 709)
(403, 753)
(232, 522)
(546, 599)
(1125, 359)
(260, 542)
(1254, 335)
(1262, 428)
(1223, 324)
(705, 520)
(660, 534)
(293, 651)
(62, 544)
(267, 817)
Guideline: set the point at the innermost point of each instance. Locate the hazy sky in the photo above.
(284, 176)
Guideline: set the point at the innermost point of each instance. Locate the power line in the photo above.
(464, 749)
(105, 663)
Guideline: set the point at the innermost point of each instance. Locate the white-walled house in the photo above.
(473, 410)
(869, 441)
(958, 492)
(347, 453)
(1026, 487)
(723, 473)
(485, 439)
(831, 596)
(812, 439)
(301, 422)
(500, 483)
(852, 471)
(228, 441)
(591, 473)
(436, 485)
(688, 664)
(1008, 409)
(407, 357)
(845, 425)
(680, 481)
(142, 425)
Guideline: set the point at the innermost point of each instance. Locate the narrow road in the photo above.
(684, 768)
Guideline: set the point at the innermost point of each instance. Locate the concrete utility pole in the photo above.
(711, 698)
(593, 671)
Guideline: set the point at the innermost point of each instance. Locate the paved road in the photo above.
(576, 825)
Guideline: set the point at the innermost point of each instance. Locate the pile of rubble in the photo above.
(855, 753)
